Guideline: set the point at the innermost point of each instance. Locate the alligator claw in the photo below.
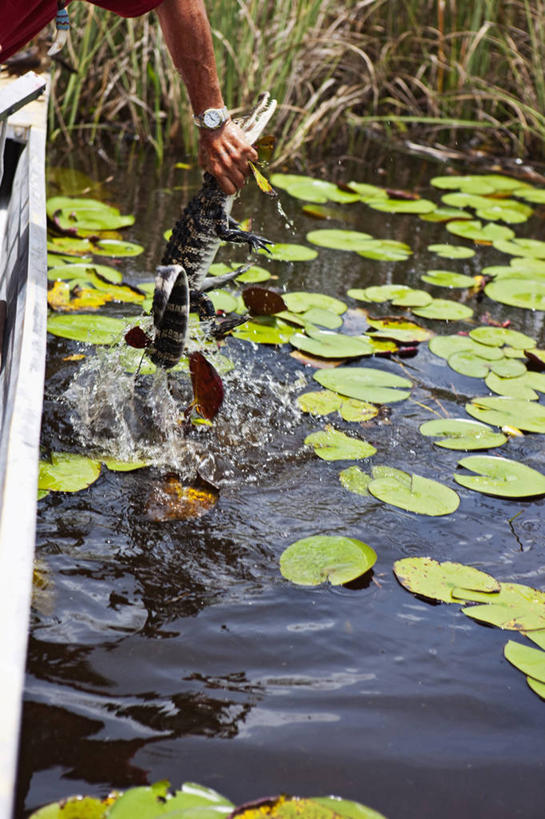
(259, 242)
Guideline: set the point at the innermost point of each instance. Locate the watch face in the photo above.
(211, 118)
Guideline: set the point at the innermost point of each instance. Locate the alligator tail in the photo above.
(170, 316)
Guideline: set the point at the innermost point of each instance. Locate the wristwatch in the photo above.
(212, 118)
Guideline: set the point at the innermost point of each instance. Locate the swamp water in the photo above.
(176, 650)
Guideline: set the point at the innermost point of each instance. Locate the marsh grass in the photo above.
(441, 70)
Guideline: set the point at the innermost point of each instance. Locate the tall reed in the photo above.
(437, 69)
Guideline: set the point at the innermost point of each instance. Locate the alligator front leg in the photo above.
(227, 232)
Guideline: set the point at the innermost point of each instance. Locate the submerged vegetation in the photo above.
(465, 74)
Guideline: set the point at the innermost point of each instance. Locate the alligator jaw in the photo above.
(257, 120)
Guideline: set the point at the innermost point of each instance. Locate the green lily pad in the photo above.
(339, 239)
(470, 183)
(320, 558)
(490, 233)
(536, 686)
(91, 219)
(365, 383)
(533, 248)
(445, 310)
(70, 245)
(501, 476)
(154, 802)
(445, 346)
(503, 411)
(116, 465)
(402, 205)
(283, 252)
(266, 330)
(81, 270)
(445, 214)
(356, 411)
(525, 293)
(90, 328)
(452, 251)
(399, 328)
(332, 445)
(445, 278)
(498, 336)
(385, 250)
(507, 210)
(321, 402)
(508, 368)
(300, 301)
(223, 300)
(530, 661)
(366, 192)
(428, 578)
(522, 386)
(463, 199)
(461, 433)
(327, 344)
(534, 195)
(414, 493)
(74, 807)
(380, 293)
(413, 298)
(321, 317)
(253, 275)
(67, 472)
(515, 607)
(116, 247)
(310, 189)
(347, 809)
(467, 362)
(355, 480)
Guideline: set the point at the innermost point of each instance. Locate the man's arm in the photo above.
(224, 152)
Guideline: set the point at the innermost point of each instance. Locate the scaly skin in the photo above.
(204, 224)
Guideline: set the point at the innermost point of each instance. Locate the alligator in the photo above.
(181, 281)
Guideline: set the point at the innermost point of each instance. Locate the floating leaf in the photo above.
(415, 493)
(265, 331)
(469, 183)
(67, 472)
(530, 661)
(502, 411)
(515, 607)
(332, 445)
(75, 807)
(170, 500)
(533, 248)
(428, 578)
(402, 205)
(300, 301)
(355, 480)
(490, 233)
(262, 302)
(507, 210)
(90, 219)
(366, 191)
(445, 310)
(386, 250)
(91, 329)
(320, 558)
(310, 189)
(81, 271)
(523, 386)
(321, 402)
(534, 195)
(116, 465)
(345, 808)
(116, 247)
(317, 315)
(508, 368)
(365, 383)
(339, 239)
(282, 252)
(357, 411)
(445, 278)
(498, 336)
(525, 293)
(413, 298)
(501, 476)
(466, 362)
(327, 344)
(445, 346)
(207, 385)
(452, 251)
(462, 434)
(445, 214)
(399, 328)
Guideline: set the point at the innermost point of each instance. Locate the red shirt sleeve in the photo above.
(20, 22)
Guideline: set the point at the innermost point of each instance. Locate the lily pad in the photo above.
(356, 411)
(507, 210)
(530, 661)
(501, 476)
(503, 411)
(452, 251)
(525, 293)
(327, 344)
(116, 465)
(461, 433)
(312, 190)
(402, 205)
(75, 807)
(515, 607)
(428, 578)
(413, 298)
(380, 293)
(508, 368)
(80, 271)
(91, 329)
(444, 309)
(320, 558)
(498, 336)
(445, 346)
(365, 383)
(399, 328)
(116, 247)
(467, 362)
(265, 330)
(253, 275)
(522, 386)
(321, 402)
(355, 480)
(366, 191)
(533, 248)
(534, 195)
(385, 250)
(490, 233)
(283, 252)
(470, 183)
(300, 301)
(332, 445)
(445, 214)
(67, 472)
(324, 318)
(446, 278)
(339, 239)
(415, 493)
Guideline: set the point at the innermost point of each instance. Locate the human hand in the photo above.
(225, 154)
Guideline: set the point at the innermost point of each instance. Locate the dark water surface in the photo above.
(176, 650)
